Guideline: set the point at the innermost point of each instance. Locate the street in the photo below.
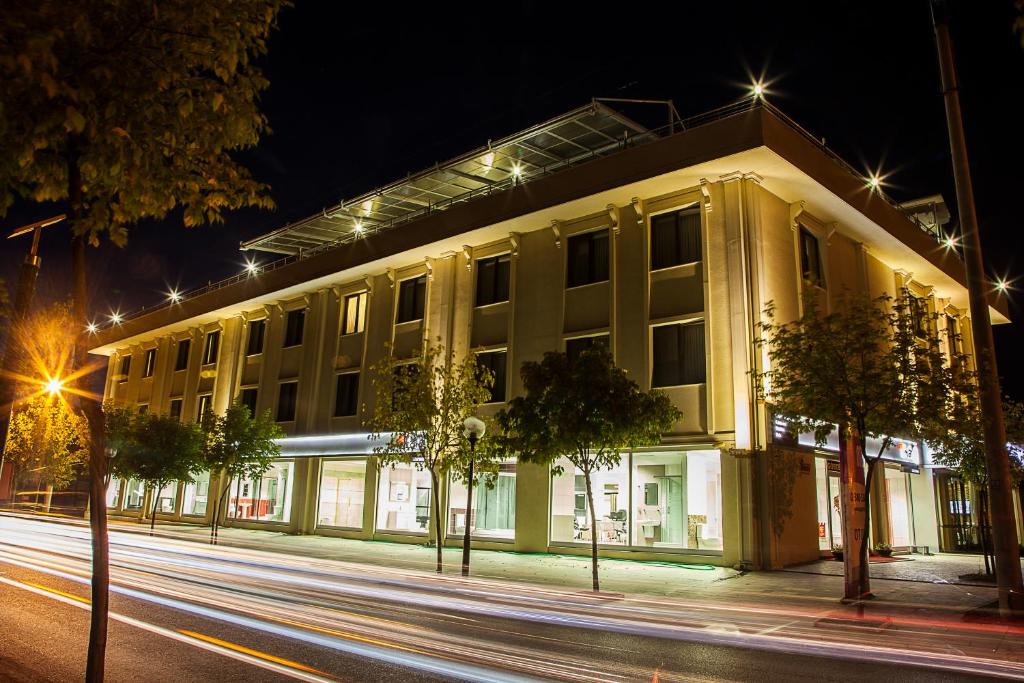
(186, 610)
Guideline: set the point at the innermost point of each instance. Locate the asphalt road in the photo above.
(187, 611)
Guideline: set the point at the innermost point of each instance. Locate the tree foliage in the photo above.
(147, 100)
(47, 441)
(586, 410)
(420, 406)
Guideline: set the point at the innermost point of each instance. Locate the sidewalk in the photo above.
(918, 582)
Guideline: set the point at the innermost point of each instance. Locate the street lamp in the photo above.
(473, 429)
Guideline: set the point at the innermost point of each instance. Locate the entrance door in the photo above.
(830, 523)
(956, 509)
(899, 508)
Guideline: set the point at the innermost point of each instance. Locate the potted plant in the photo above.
(837, 552)
(883, 549)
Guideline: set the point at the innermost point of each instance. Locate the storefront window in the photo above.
(494, 505)
(167, 498)
(570, 514)
(403, 499)
(265, 499)
(196, 496)
(899, 508)
(134, 494)
(830, 525)
(342, 488)
(113, 493)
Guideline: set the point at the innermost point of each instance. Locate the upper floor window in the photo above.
(346, 396)
(286, 399)
(149, 365)
(492, 276)
(678, 355)
(675, 238)
(412, 296)
(205, 406)
(294, 323)
(247, 397)
(211, 346)
(574, 347)
(953, 340)
(174, 410)
(495, 361)
(143, 408)
(918, 315)
(126, 366)
(588, 258)
(181, 362)
(354, 313)
(254, 345)
(810, 258)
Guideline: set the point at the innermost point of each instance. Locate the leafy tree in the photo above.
(420, 408)
(127, 110)
(873, 367)
(586, 410)
(48, 439)
(155, 449)
(240, 446)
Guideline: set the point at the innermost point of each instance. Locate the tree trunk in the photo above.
(865, 586)
(93, 411)
(156, 502)
(437, 518)
(593, 532)
(469, 511)
(982, 536)
(221, 501)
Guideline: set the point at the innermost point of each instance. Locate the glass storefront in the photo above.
(403, 499)
(494, 505)
(830, 524)
(113, 493)
(900, 511)
(342, 489)
(650, 500)
(196, 496)
(134, 494)
(167, 498)
(264, 499)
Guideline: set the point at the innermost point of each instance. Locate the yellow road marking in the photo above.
(350, 636)
(40, 586)
(248, 651)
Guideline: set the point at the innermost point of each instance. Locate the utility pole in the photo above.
(1008, 573)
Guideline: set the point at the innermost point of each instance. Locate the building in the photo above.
(664, 245)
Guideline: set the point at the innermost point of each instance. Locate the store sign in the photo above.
(903, 451)
(782, 433)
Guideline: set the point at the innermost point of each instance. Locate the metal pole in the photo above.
(1008, 573)
(469, 505)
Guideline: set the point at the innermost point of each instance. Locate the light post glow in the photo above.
(473, 429)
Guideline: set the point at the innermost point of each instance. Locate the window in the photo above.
(810, 258)
(267, 498)
(255, 343)
(574, 347)
(167, 498)
(294, 323)
(495, 362)
(114, 493)
(346, 397)
(403, 499)
(247, 397)
(205, 406)
(342, 490)
(678, 355)
(175, 408)
(919, 315)
(181, 362)
(211, 346)
(412, 295)
(134, 493)
(953, 340)
(286, 401)
(355, 314)
(150, 363)
(126, 366)
(588, 258)
(405, 376)
(494, 505)
(492, 275)
(143, 408)
(675, 238)
(196, 495)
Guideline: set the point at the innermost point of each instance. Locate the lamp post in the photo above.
(474, 429)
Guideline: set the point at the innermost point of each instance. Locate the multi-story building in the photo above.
(665, 245)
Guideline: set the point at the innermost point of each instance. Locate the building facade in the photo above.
(663, 245)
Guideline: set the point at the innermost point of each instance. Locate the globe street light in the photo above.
(473, 429)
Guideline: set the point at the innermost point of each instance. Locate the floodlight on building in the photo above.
(91, 328)
(874, 182)
(115, 317)
(174, 296)
(757, 90)
(251, 267)
(950, 242)
(53, 385)
(358, 227)
(517, 171)
(1002, 285)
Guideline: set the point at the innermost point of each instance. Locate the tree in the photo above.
(420, 406)
(157, 450)
(47, 438)
(127, 110)
(586, 410)
(872, 367)
(238, 445)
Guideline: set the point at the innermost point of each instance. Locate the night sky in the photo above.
(364, 93)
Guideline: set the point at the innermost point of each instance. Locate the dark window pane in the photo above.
(412, 296)
(346, 399)
(810, 258)
(495, 361)
(587, 256)
(679, 356)
(574, 347)
(248, 398)
(210, 350)
(492, 277)
(286, 401)
(256, 331)
(293, 327)
(181, 362)
(675, 238)
(126, 366)
(175, 408)
(205, 405)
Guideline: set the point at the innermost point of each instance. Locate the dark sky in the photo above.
(363, 93)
